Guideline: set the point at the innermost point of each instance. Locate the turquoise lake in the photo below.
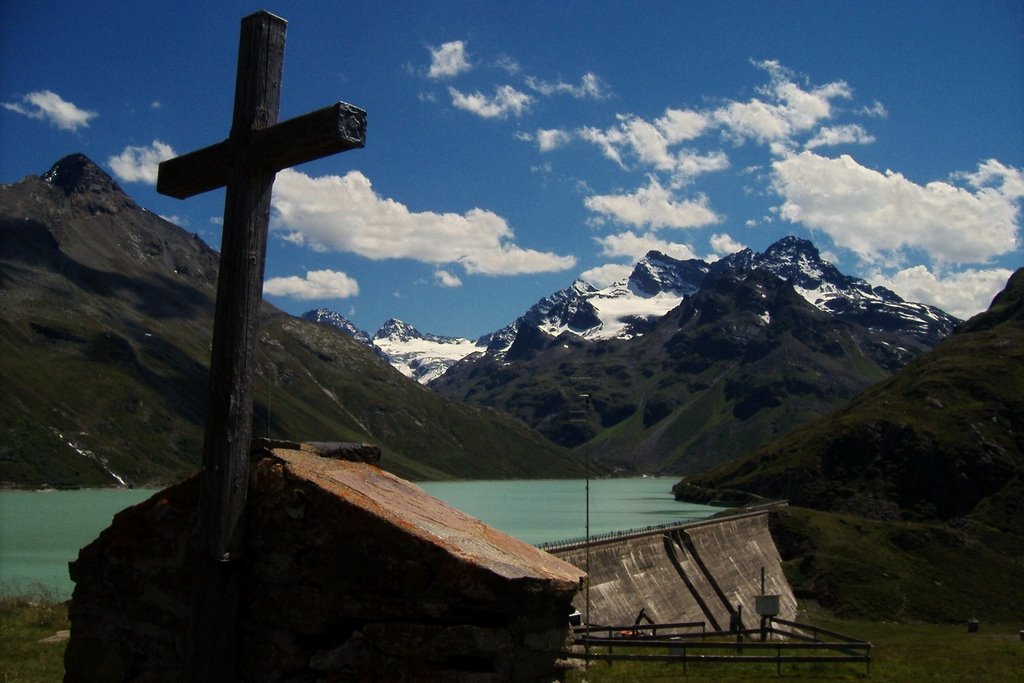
(41, 531)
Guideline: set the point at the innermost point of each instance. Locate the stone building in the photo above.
(350, 574)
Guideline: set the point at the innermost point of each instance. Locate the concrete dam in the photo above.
(706, 571)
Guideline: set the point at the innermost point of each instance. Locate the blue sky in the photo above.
(513, 147)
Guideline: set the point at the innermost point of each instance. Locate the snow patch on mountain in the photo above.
(422, 357)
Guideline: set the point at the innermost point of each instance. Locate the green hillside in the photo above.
(923, 474)
(105, 324)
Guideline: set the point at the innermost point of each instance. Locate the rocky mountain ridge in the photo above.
(742, 360)
(658, 283)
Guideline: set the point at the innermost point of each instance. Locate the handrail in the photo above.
(725, 516)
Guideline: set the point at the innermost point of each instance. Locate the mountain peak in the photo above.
(396, 330)
(87, 184)
(657, 272)
(326, 316)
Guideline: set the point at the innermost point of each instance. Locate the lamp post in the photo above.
(583, 416)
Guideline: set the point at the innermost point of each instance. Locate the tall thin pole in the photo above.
(584, 417)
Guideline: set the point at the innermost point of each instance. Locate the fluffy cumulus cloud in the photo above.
(140, 164)
(848, 134)
(318, 284)
(785, 107)
(606, 275)
(962, 294)
(653, 206)
(877, 215)
(723, 245)
(652, 144)
(448, 60)
(344, 213)
(550, 139)
(633, 246)
(49, 106)
(505, 101)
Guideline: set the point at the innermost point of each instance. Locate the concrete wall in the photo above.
(705, 571)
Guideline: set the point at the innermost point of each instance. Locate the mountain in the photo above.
(934, 440)
(923, 473)
(688, 363)
(326, 316)
(105, 323)
(423, 357)
(850, 299)
(658, 283)
(742, 360)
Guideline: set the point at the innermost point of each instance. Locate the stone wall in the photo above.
(350, 574)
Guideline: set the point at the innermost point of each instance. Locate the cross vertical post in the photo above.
(246, 163)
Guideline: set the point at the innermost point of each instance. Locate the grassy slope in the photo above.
(105, 325)
(916, 489)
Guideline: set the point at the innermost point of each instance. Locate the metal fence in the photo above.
(780, 642)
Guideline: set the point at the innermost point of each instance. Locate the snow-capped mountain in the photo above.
(328, 317)
(657, 284)
(421, 356)
(852, 299)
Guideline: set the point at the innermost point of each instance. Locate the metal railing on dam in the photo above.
(625, 534)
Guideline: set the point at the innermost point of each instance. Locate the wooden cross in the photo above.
(246, 163)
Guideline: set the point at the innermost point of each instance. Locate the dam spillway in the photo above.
(699, 571)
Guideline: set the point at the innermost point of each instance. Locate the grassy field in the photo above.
(24, 622)
(935, 653)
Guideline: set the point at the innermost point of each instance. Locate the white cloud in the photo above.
(140, 164)
(448, 60)
(650, 144)
(655, 207)
(549, 139)
(690, 164)
(48, 105)
(507, 64)
(787, 109)
(1006, 180)
(724, 245)
(608, 274)
(318, 284)
(344, 213)
(962, 294)
(878, 214)
(633, 246)
(445, 279)
(589, 86)
(849, 134)
(680, 125)
(876, 110)
(506, 100)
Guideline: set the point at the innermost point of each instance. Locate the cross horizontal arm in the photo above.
(336, 128)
